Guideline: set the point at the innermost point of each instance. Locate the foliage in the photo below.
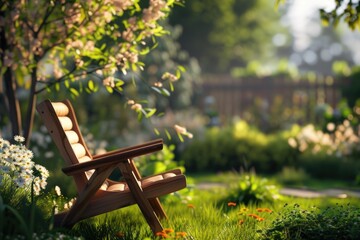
(18, 169)
(335, 222)
(330, 154)
(74, 44)
(352, 92)
(158, 162)
(227, 33)
(292, 176)
(252, 189)
(348, 11)
(27, 221)
(238, 146)
(323, 166)
(26, 210)
(320, 154)
(168, 55)
(341, 141)
(207, 216)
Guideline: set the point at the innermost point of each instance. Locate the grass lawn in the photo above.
(304, 182)
(205, 215)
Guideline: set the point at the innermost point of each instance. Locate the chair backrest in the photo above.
(60, 120)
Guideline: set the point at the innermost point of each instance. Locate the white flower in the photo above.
(136, 107)
(19, 139)
(330, 126)
(16, 164)
(58, 190)
(292, 142)
(182, 131)
(20, 182)
(109, 81)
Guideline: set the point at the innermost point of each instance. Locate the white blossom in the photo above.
(16, 164)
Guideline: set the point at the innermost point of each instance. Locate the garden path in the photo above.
(297, 192)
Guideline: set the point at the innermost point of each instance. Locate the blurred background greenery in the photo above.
(256, 77)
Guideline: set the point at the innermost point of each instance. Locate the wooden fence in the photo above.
(231, 97)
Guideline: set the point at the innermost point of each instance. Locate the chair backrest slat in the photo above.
(60, 120)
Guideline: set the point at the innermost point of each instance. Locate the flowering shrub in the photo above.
(18, 168)
(341, 140)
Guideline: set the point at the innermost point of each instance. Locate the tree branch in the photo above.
(64, 77)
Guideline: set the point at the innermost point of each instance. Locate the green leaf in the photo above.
(109, 89)
(167, 134)
(182, 68)
(156, 131)
(144, 51)
(74, 92)
(119, 82)
(67, 84)
(178, 73)
(91, 85)
(156, 90)
(140, 116)
(165, 92)
(171, 86)
(133, 67)
(150, 112)
(180, 137)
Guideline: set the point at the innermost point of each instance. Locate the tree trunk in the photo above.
(11, 101)
(29, 120)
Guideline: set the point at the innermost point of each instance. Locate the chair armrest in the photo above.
(114, 157)
(157, 142)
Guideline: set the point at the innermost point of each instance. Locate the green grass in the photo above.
(279, 179)
(207, 217)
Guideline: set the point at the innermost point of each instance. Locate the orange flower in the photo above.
(264, 210)
(191, 206)
(241, 222)
(254, 216)
(168, 230)
(162, 234)
(181, 234)
(260, 219)
(267, 210)
(231, 204)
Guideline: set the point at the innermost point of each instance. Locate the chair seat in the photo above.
(118, 194)
(144, 183)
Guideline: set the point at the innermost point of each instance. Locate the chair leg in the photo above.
(150, 216)
(143, 203)
(159, 210)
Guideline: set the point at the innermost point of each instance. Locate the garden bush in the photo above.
(333, 154)
(323, 166)
(25, 210)
(335, 222)
(238, 146)
(251, 189)
(292, 176)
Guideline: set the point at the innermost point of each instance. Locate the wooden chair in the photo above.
(96, 193)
